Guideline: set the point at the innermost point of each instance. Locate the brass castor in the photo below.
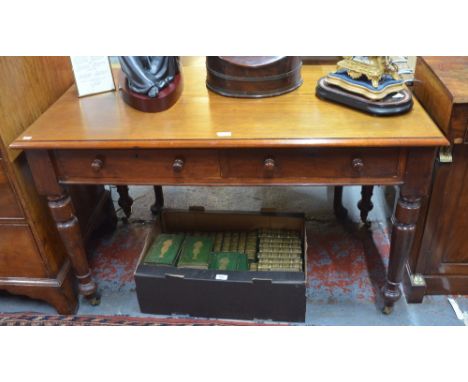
(387, 309)
(94, 299)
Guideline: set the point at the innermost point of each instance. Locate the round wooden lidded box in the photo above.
(253, 76)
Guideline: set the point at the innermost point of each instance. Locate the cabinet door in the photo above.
(446, 235)
(19, 256)
(456, 247)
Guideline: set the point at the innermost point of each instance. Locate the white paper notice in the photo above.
(93, 74)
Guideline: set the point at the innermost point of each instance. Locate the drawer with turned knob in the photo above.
(358, 165)
(231, 166)
(304, 166)
(269, 166)
(97, 164)
(178, 165)
(164, 166)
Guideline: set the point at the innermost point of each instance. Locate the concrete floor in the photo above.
(346, 262)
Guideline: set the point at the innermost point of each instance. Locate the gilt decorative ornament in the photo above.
(372, 67)
(367, 83)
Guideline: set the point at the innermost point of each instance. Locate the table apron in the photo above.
(263, 166)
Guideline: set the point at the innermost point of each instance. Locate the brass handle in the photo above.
(269, 165)
(178, 165)
(357, 164)
(97, 165)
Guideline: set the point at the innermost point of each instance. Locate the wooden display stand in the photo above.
(388, 106)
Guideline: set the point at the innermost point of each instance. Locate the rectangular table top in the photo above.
(203, 119)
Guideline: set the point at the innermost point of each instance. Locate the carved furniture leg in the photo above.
(365, 205)
(417, 178)
(404, 226)
(63, 213)
(158, 200)
(67, 224)
(340, 211)
(125, 200)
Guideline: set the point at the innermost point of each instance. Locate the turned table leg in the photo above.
(340, 211)
(67, 224)
(63, 213)
(404, 227)
(125, 200)
(417, 177)
(158, 200)
(365, 204)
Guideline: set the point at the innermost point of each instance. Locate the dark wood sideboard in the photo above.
(438, 263)
(33, 260)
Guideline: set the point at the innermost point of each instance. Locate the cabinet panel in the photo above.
(9, 206)
(19, 256)
(445, 238)
(456, 248)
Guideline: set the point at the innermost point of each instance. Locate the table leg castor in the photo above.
(94, 299)
(387, 310)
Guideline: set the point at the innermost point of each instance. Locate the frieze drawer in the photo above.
(314, 164)
(173, 166)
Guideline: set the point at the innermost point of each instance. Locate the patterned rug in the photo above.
(345, 262)
(35, 319)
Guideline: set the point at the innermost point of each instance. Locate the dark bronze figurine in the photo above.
(150, 83)
(148, 75)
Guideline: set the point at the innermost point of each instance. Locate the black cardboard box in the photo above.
(278, 296)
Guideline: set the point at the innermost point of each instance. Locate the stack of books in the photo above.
(263, 250)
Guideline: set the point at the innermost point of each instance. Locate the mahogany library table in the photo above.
(208, 139)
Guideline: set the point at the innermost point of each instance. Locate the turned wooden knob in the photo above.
(357, 164)
(178, 165)
(269, 165)
(97, 165)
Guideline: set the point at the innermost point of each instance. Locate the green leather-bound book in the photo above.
(164, 249)
(229, 261)
(195, 252)
(224, 261)
(242, 262)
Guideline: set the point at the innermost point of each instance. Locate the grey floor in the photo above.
(317, 203)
